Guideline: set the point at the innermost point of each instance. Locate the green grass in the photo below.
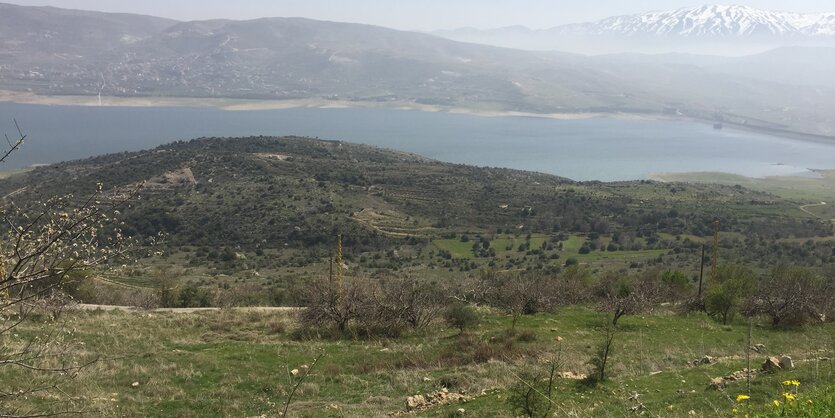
(459, 249)
(801, 189)
(503, 242)
(464, 250)
(573, 244)
(231, 363)
(598, 256)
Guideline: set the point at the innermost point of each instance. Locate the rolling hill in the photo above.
(293, 195)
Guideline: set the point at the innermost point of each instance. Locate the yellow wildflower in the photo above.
(789, 397)
(795, 383)
(742, 398)
(776, 403)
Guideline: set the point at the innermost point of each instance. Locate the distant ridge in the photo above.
(142, 59)
(694, 29)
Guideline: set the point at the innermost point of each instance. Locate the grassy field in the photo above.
(802, 189)
(236, 363)
(505, 245)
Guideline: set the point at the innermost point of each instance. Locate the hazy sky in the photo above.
(414, 14)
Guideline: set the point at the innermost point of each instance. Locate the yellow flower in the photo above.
(742, 398)
(789, 397)
(787, 382)
(795, 383)
(776, 403)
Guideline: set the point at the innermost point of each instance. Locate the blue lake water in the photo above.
(593, 149)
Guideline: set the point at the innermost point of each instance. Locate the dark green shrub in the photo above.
(461, 316)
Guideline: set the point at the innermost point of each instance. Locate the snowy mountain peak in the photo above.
(711, 29)
(714, 21)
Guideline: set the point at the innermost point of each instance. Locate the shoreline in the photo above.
(236, 105)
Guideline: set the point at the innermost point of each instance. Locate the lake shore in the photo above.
(256, 105)
(251, 104)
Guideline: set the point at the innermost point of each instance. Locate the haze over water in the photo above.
(593, 149)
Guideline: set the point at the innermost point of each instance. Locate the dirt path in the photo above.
(91, 307)
(804, 208)
(18, 191)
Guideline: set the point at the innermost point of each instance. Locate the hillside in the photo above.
(252, 222)
(280, 202)
(39, 42)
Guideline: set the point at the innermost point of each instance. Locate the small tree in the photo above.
(724, 298)
(519, 294)
(409, 301)
(533, 395)
(333, 305)
(461, 316)
(622, 295)
(602, 355)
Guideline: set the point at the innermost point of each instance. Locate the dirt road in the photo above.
(89, 307)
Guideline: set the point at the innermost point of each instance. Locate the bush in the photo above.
(791, 296)
(530, 397)
(244, 294)
(461, 316)
(193, 296)
(519, 293)
(723, 299)
(622, 294)
(380, 307)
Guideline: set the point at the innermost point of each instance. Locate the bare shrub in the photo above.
(108, 294)
(382, 307)
(332, 305)
(622, 294)
(572, 286)
(414, 303)
(790, 296)
(518, 293)
(244, 294)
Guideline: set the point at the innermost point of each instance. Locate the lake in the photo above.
(591, 149)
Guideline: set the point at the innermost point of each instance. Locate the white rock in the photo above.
(786, 362)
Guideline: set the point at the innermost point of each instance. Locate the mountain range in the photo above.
(727, 30)
(57, 52)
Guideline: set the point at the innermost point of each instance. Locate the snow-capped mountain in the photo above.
(698, 29)
(712, 21)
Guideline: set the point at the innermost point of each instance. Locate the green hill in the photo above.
(277, 203)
